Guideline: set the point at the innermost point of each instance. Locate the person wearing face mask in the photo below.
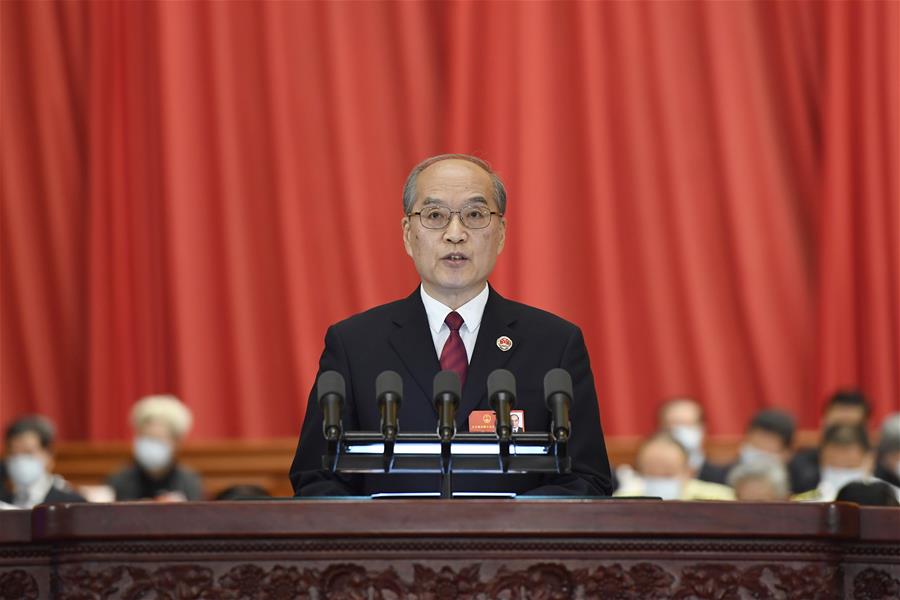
(28, 464)
(847, 407)
(159, 423)
(768, 439)
(845, 456)
(664, 471)
(683, 418)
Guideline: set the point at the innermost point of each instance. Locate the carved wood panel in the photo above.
(540, 581)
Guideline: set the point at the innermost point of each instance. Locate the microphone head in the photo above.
(557, 381)
(388, 382)
(330, 382)
(447, 382)
(501, 380)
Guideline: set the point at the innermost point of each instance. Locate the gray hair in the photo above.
(166, 408)
(770, 470)
(409, 188)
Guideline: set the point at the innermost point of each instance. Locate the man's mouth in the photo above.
(455, 257)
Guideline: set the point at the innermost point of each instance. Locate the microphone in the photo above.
(558, 395)
(389, 393)
(501, 386)
(331, 390)
(447, 390)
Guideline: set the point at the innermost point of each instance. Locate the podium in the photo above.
(477, 549)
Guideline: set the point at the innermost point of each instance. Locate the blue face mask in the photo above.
(25, 469)
(752, 454)
(152, 454)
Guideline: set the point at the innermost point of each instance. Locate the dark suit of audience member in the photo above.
(133, 483)
(28, 465)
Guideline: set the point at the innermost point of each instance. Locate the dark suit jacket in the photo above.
(132, 484)
(56, 495)
(396, 336)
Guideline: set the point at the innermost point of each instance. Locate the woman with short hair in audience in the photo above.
(159, 423)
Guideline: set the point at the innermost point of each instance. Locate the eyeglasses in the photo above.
(438, 217)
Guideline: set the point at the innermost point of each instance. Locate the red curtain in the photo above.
(192, 192)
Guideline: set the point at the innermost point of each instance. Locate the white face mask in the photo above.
(25, 469)
(836, 477)
(752, 454)
(667, 488)
(689, 436)
(152, 454)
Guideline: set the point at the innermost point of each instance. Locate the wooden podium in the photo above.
(435, 549)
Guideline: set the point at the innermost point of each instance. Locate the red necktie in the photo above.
(453, 356)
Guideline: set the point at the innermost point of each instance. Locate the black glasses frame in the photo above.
(462, 221)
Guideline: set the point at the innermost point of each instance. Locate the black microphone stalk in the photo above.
(447, 390)
(558, 394)
(331, 390)
(389, 394)
(502, 397)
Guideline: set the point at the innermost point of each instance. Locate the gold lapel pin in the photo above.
(504, 343)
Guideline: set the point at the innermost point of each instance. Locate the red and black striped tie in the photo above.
(453, 356)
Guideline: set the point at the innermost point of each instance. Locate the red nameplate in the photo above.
(482, 421)
(486, 421)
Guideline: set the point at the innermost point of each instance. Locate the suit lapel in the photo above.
(497, 320)
(413, 343)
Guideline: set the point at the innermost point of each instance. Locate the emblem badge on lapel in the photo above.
(504, 343)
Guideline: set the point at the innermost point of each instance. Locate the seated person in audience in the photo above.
(159, 423)
(845, 456)
(848, 407)
(663, 470)
(887, 459)
(759, 480)
(29, 465)
(869, 493)
(684, 419)
(770, 436)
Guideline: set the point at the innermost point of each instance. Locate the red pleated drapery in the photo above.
(192, 192)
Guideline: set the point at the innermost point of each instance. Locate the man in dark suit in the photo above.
(453, 229)
(28, 458)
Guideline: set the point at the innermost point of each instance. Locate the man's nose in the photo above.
(455, 231)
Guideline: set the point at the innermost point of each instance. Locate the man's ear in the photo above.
(502, 241)
(405, 226)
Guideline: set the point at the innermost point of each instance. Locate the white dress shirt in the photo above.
(471, 312)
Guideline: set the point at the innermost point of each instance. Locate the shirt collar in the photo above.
(471, 311)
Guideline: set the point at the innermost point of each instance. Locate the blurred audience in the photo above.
(887, 459)
(759, 480)
(844, 456)
(847, 407)
(159, 424)
(664, 471)
(28, 450)
(683, 418)
(869, 493)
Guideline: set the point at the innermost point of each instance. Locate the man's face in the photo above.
(845, 456)
(768, 442)
(29, 443)
(663, 459)
(454, 262)
(681, 413)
